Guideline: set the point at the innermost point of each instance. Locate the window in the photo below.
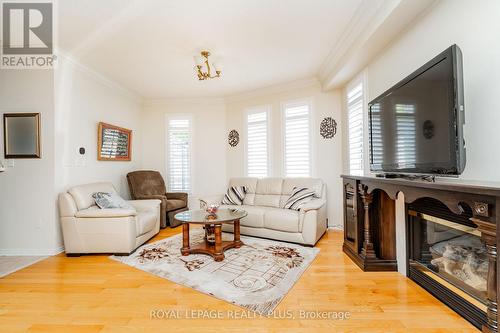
(355, 128)
(179, 155)
(297, 148)
(406, 135)
(377, 144)
(257, 142)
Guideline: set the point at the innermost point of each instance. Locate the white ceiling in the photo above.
(148, 45)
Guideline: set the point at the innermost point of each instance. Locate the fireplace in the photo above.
(448, 257)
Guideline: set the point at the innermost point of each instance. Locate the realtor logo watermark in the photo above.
(27, 35)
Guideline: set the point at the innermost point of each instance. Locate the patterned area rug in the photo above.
(256, 276)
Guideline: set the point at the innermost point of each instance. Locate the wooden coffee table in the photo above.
(218, 246)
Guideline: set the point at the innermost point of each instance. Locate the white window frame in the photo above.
(258, 109)
(360, 79)
(284, 106)
(191, 148)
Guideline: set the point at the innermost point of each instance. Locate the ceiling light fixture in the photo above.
(204, 73)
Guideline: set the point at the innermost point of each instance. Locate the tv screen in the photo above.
(416, 126)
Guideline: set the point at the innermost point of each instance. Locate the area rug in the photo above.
(256, 276)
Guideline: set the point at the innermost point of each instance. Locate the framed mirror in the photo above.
(21, 135)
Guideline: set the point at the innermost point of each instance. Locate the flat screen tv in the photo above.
(416, 127)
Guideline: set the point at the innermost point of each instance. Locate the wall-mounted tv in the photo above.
(416, 127)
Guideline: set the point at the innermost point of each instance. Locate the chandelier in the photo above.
(203, 68)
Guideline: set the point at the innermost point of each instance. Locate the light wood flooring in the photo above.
(96, 294)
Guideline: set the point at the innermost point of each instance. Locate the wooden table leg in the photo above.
(237, 242)
(218, 255)
(185, 239)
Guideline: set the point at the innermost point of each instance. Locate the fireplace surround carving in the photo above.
(369, 239)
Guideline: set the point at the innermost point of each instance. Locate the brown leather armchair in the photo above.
(146, 184)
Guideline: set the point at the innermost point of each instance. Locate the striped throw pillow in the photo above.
(299, 197)
(234, 195)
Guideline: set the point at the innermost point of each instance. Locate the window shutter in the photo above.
(297, 141)
(257, 143)
(355, 129)
(377, 146)
(406, 135)
(179, 162)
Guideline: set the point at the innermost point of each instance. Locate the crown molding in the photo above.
(159, 102)
(67, 58)
(311, 82)
(375, 24)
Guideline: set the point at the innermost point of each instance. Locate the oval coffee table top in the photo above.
(202, 217)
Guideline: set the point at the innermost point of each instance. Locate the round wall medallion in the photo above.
(328, 128)
(428, 129)
(233, 138)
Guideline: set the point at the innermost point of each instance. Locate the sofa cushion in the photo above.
(83, 194)
(251, 185)
(96, 212)
(268, 192)
(315, 184)
(106, 200)
(234, 195)
(299, 197)
(174, 204)
(281, 219)
(145, 222)
(255, 217)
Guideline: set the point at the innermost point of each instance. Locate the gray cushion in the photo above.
(106, 200)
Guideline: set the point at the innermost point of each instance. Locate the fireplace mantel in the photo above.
(369, 221)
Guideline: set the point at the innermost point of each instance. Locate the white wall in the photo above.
(27, 199)
(72, 99)
(83, 99)
(208, 141)
(474, 26)
(327, 156)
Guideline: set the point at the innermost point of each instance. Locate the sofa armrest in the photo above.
(313, 205)
(67, 206)
(211, 199)
(145, 205)
(96, 212)
(177, 196)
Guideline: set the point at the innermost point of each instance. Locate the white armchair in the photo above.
(88, 229)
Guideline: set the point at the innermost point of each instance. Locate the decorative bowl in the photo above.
(212, 208)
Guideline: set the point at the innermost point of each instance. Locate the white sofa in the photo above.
(267, 219)
(88, 229)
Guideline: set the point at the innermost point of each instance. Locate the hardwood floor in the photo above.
(96, 294)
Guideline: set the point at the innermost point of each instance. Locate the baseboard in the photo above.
(335, 227)
(31, 252)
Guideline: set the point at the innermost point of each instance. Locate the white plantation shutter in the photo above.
(406, 135)
(297, 141)
(377, 145)
(355, 129)
(257, 143)
(179, 155)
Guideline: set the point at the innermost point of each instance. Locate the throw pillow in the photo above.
(109, 200)
(299, 197)
(234, 195)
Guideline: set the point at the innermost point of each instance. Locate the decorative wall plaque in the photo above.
(328, 128)
(233, 138)
(114, 143)
(428, 129)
